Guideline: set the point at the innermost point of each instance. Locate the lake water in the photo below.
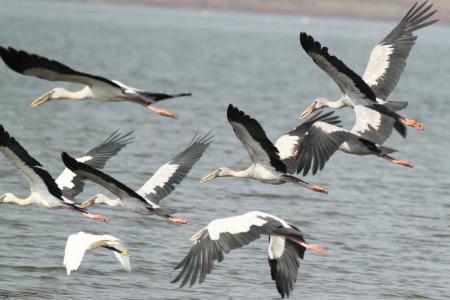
(386, 227)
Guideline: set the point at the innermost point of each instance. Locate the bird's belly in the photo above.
(106, 95)
(355, 148)
(135, 205)
(46, 201)
(262, 174)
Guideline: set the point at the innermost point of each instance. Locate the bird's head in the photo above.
(56, 93)
(6, 197)
(220, 172)
(93, 200)
(317, 104)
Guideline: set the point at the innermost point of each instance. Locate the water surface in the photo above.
(386, 227)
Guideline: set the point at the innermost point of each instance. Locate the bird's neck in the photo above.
(16, 200)
(85, 93)
(102, 199)
(242, 174)
(337, 104)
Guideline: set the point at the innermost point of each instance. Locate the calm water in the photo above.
(386, 227)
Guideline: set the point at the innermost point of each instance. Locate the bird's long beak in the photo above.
(307, 111)
(210, 176)
(88, 202)
(197, 235)
(126, 253)
(178, 220)
(42, 99)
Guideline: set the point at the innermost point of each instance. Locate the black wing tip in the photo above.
(237, 115)
(69, 161)
(310, 45)
(3, 134)
(232, 111)
(5, 137)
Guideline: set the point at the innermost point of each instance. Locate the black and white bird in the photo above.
(286, 245)
(96, 87)
(72, 184)
(147, 198)
(165, 179)
(45, 192)
(78, 243)
(386, 64)
(266, 163)
(323, 139)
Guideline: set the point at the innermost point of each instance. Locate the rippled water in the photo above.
(386, 227)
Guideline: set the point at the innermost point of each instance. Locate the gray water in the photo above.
(386, 227)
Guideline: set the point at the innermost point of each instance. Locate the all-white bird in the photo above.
(323, 139)
(286, 245)
(165, 179)
(386, 63)
(96, 87)
(266, 164)
(78, 243)
(45, 192)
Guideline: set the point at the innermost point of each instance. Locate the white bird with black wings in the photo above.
(96, 87)
(286, 245)
(374, 115)
(323, 139)
(266, 164)
(45, 192)
(161, 184)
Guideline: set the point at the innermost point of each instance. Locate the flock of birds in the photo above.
(305, 148)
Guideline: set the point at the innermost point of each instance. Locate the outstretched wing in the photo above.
(163, 182)
(284, 262)
(350, 83)
(71, 184)
(119, 245)
(372, 125)
(320, 143)
(254, 139)
(37, 177)
(289, 145)
(222, 235)
(128, 196)
(76, 246)
(388, 59)
(44, 68)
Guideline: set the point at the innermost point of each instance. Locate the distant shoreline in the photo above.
(359, 9)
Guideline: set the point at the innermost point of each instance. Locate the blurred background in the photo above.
(380, 9)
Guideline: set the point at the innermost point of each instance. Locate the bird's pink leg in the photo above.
(161, 111)
(178, 220)
(413, 123)
(397, 161)
(99, 218)
(315, 248)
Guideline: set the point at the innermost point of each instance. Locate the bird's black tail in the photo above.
(398, 125)
(154, 97)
